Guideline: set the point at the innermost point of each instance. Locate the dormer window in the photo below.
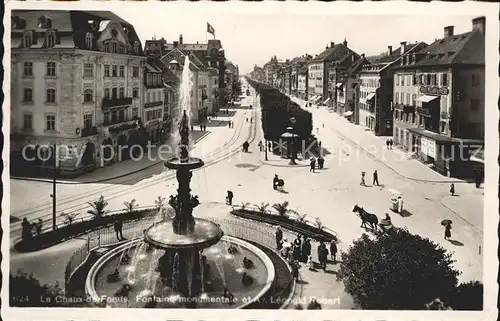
(114, 33)
(414, 58)
(114, 47)
(28, 39)
(17, 22)
(50, 38)
(136, 47)
(44, 22)
(89, 40)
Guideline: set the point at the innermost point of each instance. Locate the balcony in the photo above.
(153, 104)
(115, 102)
(434, 90)
(89, 131)
(119, 125)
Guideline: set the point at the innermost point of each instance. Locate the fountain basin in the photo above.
(204, 234)
(189, 163)
(225, 269)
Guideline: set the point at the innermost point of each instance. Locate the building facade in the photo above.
(376, 91)
(303, 82)
(75, 87)
(439, 100)
(155, 99)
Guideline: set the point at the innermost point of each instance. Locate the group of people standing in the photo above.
(230, 124)
(203, 127)
(262, 146)
(312, 163)
(389, 143)
(27, 229)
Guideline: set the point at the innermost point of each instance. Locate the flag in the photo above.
(210, 29)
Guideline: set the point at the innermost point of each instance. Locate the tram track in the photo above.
(229, 149)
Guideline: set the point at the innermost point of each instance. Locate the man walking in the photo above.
(312, 164)
(333, 251)
(229, 198)
(118, 225)
(375, 178)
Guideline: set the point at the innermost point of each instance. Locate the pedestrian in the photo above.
(26, 232)
(323, 125)
(312, 164)
(400, 205)
(201, 127)
(229, 124)
(270, 146)
(387, 143)
(478, 178)
(279, 237)
(322, 256)
(260, 146)
(333, 251)
(38, 226)
(229, 197)
(295, 270)
(251, 118)
(391, 142)
(452, 189)
(192, 127)
(363, 183)
(447, 231)
(246, 120)
(118, 226)
(375, 178)
(314, 305)
(310, 263)
(306, 249)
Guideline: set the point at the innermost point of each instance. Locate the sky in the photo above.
(252, 38)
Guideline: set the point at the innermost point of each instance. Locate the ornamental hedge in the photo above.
(277, 109)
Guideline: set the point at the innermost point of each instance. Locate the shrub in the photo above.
(244, 205)
(26, 291)
(282, 208)
(468, 296)
(130, 206)
(404, 272)
(262, 207)
(69, 218)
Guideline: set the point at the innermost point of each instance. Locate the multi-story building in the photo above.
(376, 88)
(346, 89)
(155, 93)
(303, 82)
(75, 84)
(439, 95)
(325, 69)
(296, 64)
(209, 55)
(270, 71)
(257, 74)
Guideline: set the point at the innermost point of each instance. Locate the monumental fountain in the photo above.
(181, 260)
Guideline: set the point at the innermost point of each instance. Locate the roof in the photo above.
(334, 53)
(72, 26)
(180, 56)
(187, 46)
(466, 48)
(354, 68)
(384, 60)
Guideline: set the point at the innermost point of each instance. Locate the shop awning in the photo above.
(316, 98)
(326, 101)
(313, 98)
(370, 96)
(426, 98)
(338, 85)
(347, 113)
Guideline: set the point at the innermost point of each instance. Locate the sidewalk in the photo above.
(397, 160)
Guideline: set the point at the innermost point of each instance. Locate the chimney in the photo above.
(180, 39)
(332, 44)
(448, 31)
(345, 42)
(403, 47)
(176, 44)
(479, 23)
(362, 56)
(390, 50)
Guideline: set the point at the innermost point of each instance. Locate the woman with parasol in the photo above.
(447, 228)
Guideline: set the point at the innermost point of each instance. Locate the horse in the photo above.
(366, 217)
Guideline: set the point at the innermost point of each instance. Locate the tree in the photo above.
(262, 207)
(98, 208)
(468, 296)
(282, 208)
(404, 272)
(26, 291)
(69, 218)
(130, 206)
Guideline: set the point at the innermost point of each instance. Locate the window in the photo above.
(28, 121)
(89, 40)
(27, 39)
(50, 38)
(106, 118)
(88, 70)
(28, 95)
(428, 79)
(51, 95)
(413, 99)
(106, 70)
(397, 98)
(88, 95)
(444, 80)
(148, 97)
(474, 104)
(28, 69)
(121, 115)
(135, 92)
(136, 47)
(122, 71)
(114, 70)
(411, 80)
(135, 72)
(402, 98)
(114, 93)
(434, 79)
(114, 116)
(475, 80)
(135, 112)
(51, 69)
(155, 80)
(397, 79)
(50, 122)
(87, 121)
(122, 92)
(114, 47)
(442, 127)
(148, 79)
(408, 101)
(105, 47)
(403, 80)
(106, 93)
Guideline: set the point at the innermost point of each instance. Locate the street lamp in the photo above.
(292, 145)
